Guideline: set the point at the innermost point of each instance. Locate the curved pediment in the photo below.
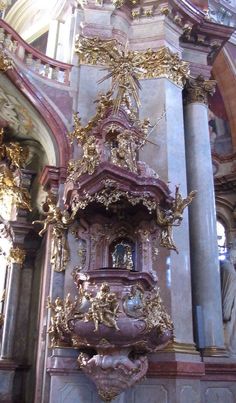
(110, 184)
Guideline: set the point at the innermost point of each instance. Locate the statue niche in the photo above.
(122, 254)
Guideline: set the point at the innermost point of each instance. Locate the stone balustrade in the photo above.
(34, 60)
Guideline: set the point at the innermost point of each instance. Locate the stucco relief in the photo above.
(15, 113)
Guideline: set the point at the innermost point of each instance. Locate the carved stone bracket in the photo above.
(198, 89)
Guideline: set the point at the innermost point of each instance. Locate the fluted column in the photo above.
(203, 237)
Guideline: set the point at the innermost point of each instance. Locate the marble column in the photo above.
(203, 237)
(13, 290)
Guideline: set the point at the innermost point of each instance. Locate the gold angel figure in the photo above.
(62, 312)
(59, 220)
(104, 308)
(167, 219)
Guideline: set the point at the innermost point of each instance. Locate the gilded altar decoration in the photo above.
(80, 133)
(111, 195)
(17, 255)
(172, 217)
(116, 324)
(13, 157)
(146, 64)
(12, 152)
(149, 308)
(59, 220)
(88, 163)
(198, 89)
(5, 61)
(62, 312)
(124, 154)
(164, 63)
(104, 308)
(122, 67)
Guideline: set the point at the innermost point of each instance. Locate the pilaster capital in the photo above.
(198, 89)
(17, 255)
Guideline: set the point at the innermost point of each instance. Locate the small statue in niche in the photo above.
(122, 256)
(125, 153)
(60, 220)
(104, 308)
(167, 219)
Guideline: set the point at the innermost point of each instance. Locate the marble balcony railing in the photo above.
(33, 59)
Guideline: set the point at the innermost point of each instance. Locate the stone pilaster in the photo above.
(203, 237)
(161, 100)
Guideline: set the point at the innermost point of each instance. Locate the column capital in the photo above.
(197, 90)
(17, 255)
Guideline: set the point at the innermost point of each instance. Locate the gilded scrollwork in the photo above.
(62, 312)
(198, 89)
(122, 66)
(110, 195)
(60, 221)
(148, 64)
(172, 217)
(148, 307)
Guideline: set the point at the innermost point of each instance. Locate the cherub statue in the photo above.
(62, 312)
(104, 308)
(167, 219)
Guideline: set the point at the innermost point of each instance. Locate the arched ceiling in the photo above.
(25, 122)
(31, 18)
